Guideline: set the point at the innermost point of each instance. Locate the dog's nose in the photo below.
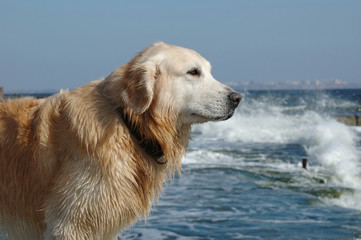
(235, 98)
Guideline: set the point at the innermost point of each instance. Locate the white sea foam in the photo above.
(262, 122)
(347, 200)
(205, 157)
(334, 145)
(268, 128)
(330, 143)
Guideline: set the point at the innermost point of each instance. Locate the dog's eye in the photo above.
(194, 72)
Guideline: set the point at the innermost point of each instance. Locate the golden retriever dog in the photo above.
(87, 163)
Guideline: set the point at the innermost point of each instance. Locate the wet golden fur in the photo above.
(69, 166)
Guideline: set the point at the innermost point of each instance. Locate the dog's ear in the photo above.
(139, 87)
(134, 84)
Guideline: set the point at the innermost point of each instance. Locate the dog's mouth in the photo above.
(206, 118)
(230, 114)
(151, 147)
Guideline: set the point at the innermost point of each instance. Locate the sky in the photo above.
(53, 45)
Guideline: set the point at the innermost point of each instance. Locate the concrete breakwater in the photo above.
(349, 120)
(1, 94)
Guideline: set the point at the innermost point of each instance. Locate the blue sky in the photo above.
(49, 45)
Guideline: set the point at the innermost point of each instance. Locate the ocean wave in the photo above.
(274, 120)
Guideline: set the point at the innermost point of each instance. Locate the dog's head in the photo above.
(168, 79)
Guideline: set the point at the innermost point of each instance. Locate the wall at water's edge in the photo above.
(1, 94)
(349, 120)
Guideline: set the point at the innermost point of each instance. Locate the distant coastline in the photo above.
(307, 84)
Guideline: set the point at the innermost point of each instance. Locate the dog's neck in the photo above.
(151, 147)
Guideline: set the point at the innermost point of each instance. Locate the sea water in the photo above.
(243, 178)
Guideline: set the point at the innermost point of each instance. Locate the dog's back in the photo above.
(18, 168)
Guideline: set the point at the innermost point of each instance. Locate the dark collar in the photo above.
(152, 148)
